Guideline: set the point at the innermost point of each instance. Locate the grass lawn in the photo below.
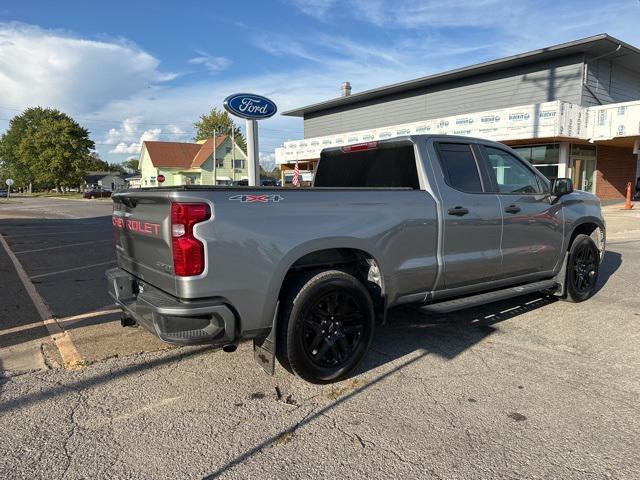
(58, 195)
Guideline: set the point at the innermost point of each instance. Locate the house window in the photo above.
(219, 162)
(239, 164)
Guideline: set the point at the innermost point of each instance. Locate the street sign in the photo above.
(160, 178)
(250, 106)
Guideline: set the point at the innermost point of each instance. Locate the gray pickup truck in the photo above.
(440, 221)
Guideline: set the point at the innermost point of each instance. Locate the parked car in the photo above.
(439, 221)
(3, 193)
(269, 182)
(96, 193)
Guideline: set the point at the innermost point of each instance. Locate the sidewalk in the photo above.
(622, 223)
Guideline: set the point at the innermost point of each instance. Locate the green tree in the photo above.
(131, 164)
(46, 148)
(220, 122)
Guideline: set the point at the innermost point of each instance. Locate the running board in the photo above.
(461, 303)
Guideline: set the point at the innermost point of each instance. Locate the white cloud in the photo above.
(46, 67)
(134, 147)
(210, 62)
(267, 160)
(315, 8)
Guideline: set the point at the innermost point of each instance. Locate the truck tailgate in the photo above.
(142, 236)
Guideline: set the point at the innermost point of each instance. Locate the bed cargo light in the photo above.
(188, 251)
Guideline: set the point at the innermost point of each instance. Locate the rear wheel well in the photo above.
(356, 262)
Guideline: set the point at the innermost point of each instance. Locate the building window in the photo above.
(219, 162)
(546, 158)
(238, 164)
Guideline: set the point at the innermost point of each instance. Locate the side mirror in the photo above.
(561, 186)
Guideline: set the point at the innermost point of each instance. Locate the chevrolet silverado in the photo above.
(444, 222)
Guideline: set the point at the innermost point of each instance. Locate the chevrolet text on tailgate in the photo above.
(438, 221)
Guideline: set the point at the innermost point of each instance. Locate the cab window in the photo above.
(510, 174)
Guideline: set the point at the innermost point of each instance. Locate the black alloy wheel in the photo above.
(332, 329)
(325, 325)
(582, 269)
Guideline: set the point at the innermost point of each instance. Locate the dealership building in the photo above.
(572, 110)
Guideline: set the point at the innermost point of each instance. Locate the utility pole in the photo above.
(233, 152)
(215, 163)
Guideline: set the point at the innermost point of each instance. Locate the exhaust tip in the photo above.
(128, 322)
(229, 348)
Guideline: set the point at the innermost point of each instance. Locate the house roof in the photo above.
(602, 44)
(181, 154)
(206, 150)
(171, 154)
(91, 179)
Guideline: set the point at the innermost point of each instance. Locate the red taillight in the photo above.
(188, 251)
(359, 146)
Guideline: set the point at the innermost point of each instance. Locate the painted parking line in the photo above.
(62, 246)
(63, 322)
(71, 359)
(84, 267)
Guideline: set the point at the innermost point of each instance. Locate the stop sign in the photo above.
(160, 178)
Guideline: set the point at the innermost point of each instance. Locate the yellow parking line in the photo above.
(71, 359)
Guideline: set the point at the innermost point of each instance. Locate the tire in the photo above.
(582, 269)
(325, 325)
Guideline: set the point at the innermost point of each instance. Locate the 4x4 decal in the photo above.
(250, 198)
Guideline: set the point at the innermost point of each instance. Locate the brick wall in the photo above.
(615, 167)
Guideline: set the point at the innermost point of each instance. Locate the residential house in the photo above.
(112, 181)
(192, 163)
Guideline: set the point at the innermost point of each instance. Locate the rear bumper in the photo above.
(172, 320)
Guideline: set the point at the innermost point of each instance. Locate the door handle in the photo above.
(512, 209)
(458, 211)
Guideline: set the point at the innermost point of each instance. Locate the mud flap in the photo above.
(264, 348)
(561, 277)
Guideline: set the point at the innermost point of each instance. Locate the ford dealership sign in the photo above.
(249, 106)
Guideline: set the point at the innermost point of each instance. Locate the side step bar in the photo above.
(461, 303)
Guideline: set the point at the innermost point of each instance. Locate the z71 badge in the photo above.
(248, 198)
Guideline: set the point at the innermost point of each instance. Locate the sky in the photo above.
(140, 70)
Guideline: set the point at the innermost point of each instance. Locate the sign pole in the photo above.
(252, 152)
(9, 182)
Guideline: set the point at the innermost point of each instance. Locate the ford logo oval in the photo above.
(252, 107)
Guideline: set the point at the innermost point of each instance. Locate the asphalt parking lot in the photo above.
(527, 388)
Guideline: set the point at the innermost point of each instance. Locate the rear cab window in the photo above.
(372, 165)
(460, 167)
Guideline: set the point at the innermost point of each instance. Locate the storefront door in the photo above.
(583, 173)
